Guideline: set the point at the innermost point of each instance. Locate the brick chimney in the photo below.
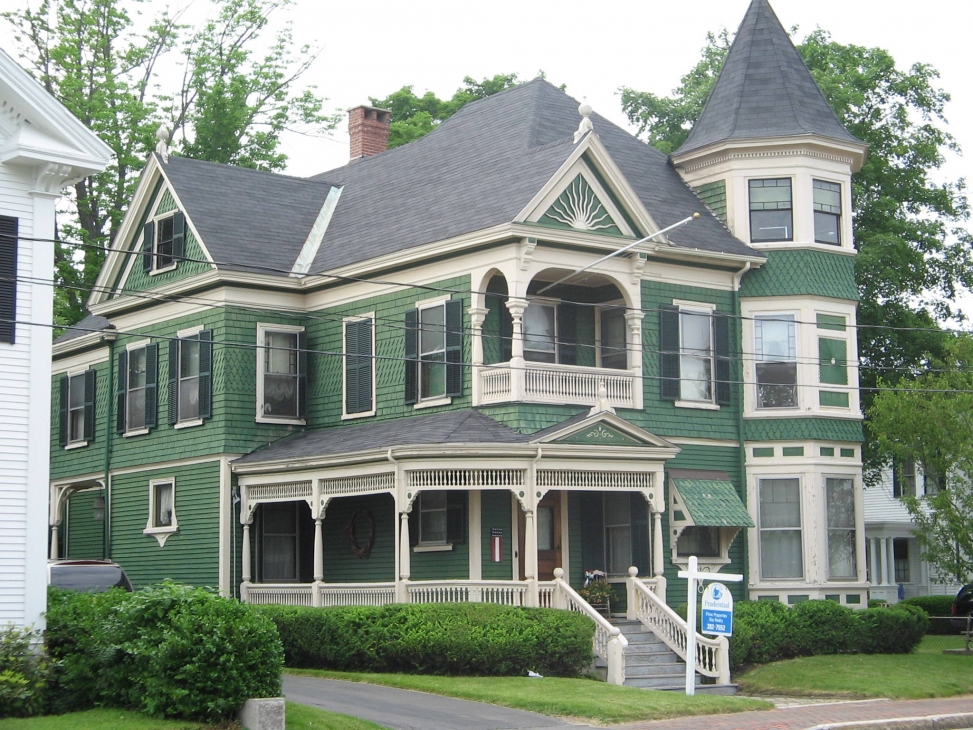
(369, 129)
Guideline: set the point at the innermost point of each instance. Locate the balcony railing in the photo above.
(547, 383)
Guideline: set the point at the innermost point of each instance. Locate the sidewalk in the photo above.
(938, 714)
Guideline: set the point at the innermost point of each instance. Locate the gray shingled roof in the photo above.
(449, 427)
(86, 326)
(249, 220)
(764, 90)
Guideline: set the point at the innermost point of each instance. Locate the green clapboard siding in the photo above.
(803, 429)
(575, 545)
(713, 196)
(495, 512)
(85, 536)
(341, 564)
(191, 555)
(802, 272)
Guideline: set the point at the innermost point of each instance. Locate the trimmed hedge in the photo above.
(768, 631)
(170, 651)
(935, 606)
(437, 638)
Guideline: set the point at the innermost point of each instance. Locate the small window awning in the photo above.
(712, 503)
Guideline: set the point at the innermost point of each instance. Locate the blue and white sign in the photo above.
(717, 607)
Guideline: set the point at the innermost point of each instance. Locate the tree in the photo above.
(929, 421)
(913, 249)
(231, 105)
(413, 116)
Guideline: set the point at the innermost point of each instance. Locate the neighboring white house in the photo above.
(42, 149)
(896, 569)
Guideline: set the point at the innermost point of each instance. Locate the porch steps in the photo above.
(650, 664)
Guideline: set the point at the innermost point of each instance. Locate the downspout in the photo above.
(108, 337)
(742, 450)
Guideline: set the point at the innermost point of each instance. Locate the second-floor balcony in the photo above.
(536, 382)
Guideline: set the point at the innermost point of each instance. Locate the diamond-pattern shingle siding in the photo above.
(713, 503)
(803, 272)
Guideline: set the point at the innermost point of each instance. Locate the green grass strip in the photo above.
(581, 699)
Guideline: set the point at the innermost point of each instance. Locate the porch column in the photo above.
(890, 546)
(54, 546)
(658, 564)
(517, 363)
(633, 318)
(245, 562)
(318, 561)
(402, 595)
(872, 561)
(885, 562)
(530, 557)
(477, 316)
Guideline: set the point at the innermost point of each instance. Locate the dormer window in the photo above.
(771, 210)
(163, 243)
(827, 212)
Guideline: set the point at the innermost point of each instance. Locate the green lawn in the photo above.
(583, 699)
(934, 644)
(298, 716)
(896, 676)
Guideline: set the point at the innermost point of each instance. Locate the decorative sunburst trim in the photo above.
(578, 207)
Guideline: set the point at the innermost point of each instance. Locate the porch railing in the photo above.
(355, 594)
(547, 383)
(507, 593)
(712, 655)
(281, 595)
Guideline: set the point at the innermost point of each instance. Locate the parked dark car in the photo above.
(963, 606)
(87, 575)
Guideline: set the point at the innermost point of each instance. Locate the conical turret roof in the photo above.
(764, 90)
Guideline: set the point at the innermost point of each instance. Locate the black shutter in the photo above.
(173, 382)
(414, 521)
(151, 385)
(411, 356)
(506, 331)
(178, 236)
(455, 517)
(669, 352)
(90, 389)
(122, 376)
(8, 278)
(567, 334)
(454, 347)
(148, 239)
(639, 511)
(62, 412)
(592, 531)
(206, 373)
(721, 342)
(358, 366)
(896, 486)
(302, 375)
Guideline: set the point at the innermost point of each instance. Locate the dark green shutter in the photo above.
(178, 236)
(302, 374)
(358, 366)
(151, 385)
(506, 331)
(567, 334)
(206, 373)
(414, 521)
(639, 511)
(455, 517)
(592, 531)
(90, 388)
(120, 391)
(148, 238)
(721, 342)
(833, 373)
(454, 347)
(8, 278)
(173, 382)
(669, 352)
(62, 412)
(411, 356)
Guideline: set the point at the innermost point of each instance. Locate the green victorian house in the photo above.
(472, 368)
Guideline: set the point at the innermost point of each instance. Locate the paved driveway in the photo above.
(404, 709)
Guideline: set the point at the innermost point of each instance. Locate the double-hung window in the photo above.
(190, 381)
(163, 243)
(842, 563)
(441, 519)
(77, 408)
(771, 210)
(613, 349)
(434, 352)
(162, 510)
(695, 351)
(781, 548)
(281, 373)
(904, 478)
(827, 212)
(138, 377)
(775, 352)
(359, 370)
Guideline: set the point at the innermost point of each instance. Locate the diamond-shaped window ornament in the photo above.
(579, 208)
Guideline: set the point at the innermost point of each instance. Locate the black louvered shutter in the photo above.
(206, 373)
(151, 385)
(669, 352)
(90, 390)
(454, 347)
(639, 511)
(414, 521)
(173, 382)
(8, 278)
(302, 374)
(592, 531)
(148, 238)
(358, 366)
(62, 412)
(567, 334)
(178, 236)
(721, 344)
(455, 517)
(122, 375)
(411, 356)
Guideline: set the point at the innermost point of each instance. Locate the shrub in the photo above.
(770, 630)
(824, 627)
(894, 630)
(24, 674)
(466, 638)
(932, 605)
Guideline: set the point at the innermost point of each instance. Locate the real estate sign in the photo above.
(717, 607)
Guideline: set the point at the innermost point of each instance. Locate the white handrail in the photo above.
(609, 642)
(712, 655)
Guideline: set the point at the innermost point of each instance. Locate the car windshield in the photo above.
(95, 578)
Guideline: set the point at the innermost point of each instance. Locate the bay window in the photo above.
(781, 551)
(775, 352)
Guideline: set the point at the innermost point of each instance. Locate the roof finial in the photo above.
(162, 147)
(586, 126)
(602, 403)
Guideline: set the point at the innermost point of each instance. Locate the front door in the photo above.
(547, 522)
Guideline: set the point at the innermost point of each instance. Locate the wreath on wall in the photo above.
(351, 533)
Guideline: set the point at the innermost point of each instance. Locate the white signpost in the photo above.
(694, 576)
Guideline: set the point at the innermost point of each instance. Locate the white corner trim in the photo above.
(314, 238)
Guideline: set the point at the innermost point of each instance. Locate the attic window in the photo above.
(771, 214)
(163, 243)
